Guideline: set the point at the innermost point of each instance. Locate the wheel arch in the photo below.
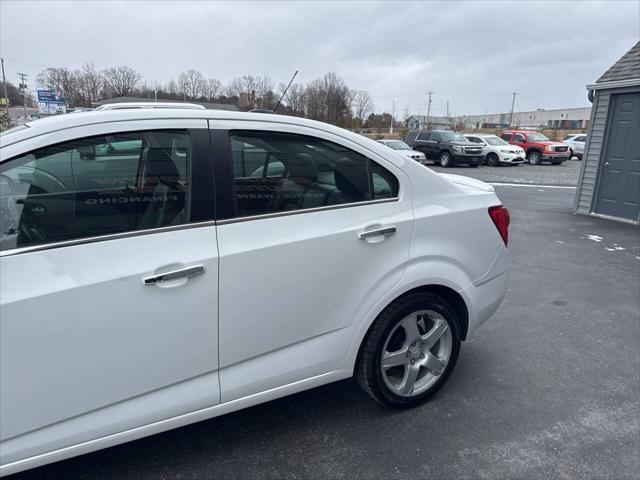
(534, 149)
(447, 293)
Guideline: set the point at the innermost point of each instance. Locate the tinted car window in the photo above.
(425, 136)
(505, 136)
(518, 138)
(582, 138)
(95, 186)
(301, 172)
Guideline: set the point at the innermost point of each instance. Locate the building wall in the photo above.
(592, 150)
(566, 118)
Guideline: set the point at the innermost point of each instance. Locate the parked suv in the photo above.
(446, 147)
(537, 147)
(495, 150)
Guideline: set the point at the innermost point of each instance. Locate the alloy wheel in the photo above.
(416, 353)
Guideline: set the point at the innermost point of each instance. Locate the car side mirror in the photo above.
(87, 152)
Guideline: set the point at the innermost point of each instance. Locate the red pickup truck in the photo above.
(537, 147)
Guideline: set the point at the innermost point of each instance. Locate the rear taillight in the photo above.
(501, 219)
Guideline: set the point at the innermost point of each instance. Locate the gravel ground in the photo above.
(547, 389)
(564, 174)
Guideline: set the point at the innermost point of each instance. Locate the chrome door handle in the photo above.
(378, 232)
(174, 275)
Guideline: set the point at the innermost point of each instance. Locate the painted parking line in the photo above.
(533, 185)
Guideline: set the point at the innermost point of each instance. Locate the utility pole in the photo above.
(6, 95)
(23, 86)
(429, 109)
(447, 108)
(513, 102)
(393, 112)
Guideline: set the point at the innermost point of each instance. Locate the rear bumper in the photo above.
(484, 299)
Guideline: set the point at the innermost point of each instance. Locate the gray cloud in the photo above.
(470, 53)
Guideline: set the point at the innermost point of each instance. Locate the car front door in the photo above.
(109, 274)
(305, 252)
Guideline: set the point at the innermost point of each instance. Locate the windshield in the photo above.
(537, 137)
(493, 140)
(397, 145)
(452, 137)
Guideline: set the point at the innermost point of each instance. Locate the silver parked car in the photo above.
(403, 148)
(576, 143)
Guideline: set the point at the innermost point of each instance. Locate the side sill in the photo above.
(171, 423)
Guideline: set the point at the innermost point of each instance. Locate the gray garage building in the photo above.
(609, 183)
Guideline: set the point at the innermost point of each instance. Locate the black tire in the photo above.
(368, 371)
(493, 160)
(534, 158)
(445, 159)
(571, 154)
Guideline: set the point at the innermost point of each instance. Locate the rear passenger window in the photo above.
(425, 136)
(505, 136)
(95, 186)
(277, 172)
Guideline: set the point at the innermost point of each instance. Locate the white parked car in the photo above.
(155, 270)
(576, 143)
(404, 149)
(496, 151)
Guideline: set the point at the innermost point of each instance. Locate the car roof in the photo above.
(481, 134)
(62, 122)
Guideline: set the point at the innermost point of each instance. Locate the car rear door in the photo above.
(304, 252)
(109, 275)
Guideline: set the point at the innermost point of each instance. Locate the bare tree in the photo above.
(60, 79)
(90, 83)
(121, 81)
(212, 87)
(328, 99)
(293, 102)
(362, 105)
(172, 88)
(191, 84)
(244, 90)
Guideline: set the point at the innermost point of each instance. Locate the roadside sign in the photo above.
(4, 101)
(51, 102)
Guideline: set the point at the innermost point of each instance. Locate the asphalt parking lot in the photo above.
(566, 173)
(548, 388)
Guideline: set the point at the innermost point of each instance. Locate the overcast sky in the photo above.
(470, 53)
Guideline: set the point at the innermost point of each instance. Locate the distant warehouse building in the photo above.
(563, 118)
(422, 122)
(609, 183)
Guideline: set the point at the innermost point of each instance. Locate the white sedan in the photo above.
(404, 149)
(496, 151)
(159, 267)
